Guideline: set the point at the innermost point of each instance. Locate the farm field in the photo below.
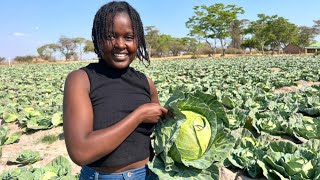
(271, 108)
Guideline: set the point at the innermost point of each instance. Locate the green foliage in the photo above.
(46, 51)
(67, 47)
(246, 92)
(49, 139)
(24, 58)
(4, 131)
(58, 168)
(89, 47)
(13, 138)
(28, 157)
(210, 22)
(193, 138)
(183, 150)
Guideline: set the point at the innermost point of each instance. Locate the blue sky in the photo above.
(29, 24)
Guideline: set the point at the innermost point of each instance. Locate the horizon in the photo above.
(31, 24)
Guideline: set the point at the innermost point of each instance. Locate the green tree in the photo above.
(176, 46)
(163, 42)
(249, 43)
(282, 33)
(260, 30)
(89, 47)
(237, 31)
(152, 38)
(213, 22)
(67, 47)
(191, 45)
(305, 36)
(79, 41)
(46, 51)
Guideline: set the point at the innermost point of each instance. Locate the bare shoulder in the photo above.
(77, 74)
(151, 83)
(76, 79)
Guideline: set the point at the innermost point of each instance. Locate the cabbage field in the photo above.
(255, 115)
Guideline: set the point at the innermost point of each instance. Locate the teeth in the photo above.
(120, 55)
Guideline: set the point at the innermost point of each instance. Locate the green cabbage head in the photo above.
(193, 139)
(191, 144)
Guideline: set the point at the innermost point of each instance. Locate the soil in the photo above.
(32, 141)
(300, 84)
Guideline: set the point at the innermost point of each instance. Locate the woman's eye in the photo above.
(129, 37)
(110, 37)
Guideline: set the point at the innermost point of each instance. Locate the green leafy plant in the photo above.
(28, 157)
(192, 144)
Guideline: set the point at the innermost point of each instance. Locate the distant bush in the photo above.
(205, 50)
(2, 59)
(234, 51)
(24, 58)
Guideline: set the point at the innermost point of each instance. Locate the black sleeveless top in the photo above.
(114, 94)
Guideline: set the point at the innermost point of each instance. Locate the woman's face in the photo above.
(120, 48)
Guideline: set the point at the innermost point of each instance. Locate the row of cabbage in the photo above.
(250, 118)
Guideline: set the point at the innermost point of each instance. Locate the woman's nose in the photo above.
(119, 43)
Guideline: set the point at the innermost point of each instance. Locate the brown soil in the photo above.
(300, 84)
(226, 174)
(275, 70)
(33, 142)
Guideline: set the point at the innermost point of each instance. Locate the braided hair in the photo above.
(103, 25)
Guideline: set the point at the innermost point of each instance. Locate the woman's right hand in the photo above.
(151, 112)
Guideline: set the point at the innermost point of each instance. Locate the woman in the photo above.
(109, 108)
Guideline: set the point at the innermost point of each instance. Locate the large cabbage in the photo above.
(193, 143)
(193, 139)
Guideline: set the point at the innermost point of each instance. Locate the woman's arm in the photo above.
(153, 92)
(85, 145)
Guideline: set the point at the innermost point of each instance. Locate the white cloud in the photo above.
(18, 34)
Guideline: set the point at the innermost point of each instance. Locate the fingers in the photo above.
(164, 110)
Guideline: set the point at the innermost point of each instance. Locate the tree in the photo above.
(67, 47)
(152, 37)
(249, 43)
(237, 32)
(282, 33)
(162, 47)
(2, 59)
(89, 47)
(260, 29)
(317, 26)
(46, 51)
(191, 45)
(79, 41)
(305, 36)
(214, 21)
(176, 46)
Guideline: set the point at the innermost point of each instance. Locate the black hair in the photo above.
(103, 22)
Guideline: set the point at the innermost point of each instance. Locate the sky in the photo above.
(28, 24)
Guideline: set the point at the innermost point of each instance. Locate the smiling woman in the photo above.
(110, 109)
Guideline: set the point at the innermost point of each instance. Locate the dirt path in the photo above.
(300, 84)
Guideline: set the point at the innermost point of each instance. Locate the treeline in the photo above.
(214, 29)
